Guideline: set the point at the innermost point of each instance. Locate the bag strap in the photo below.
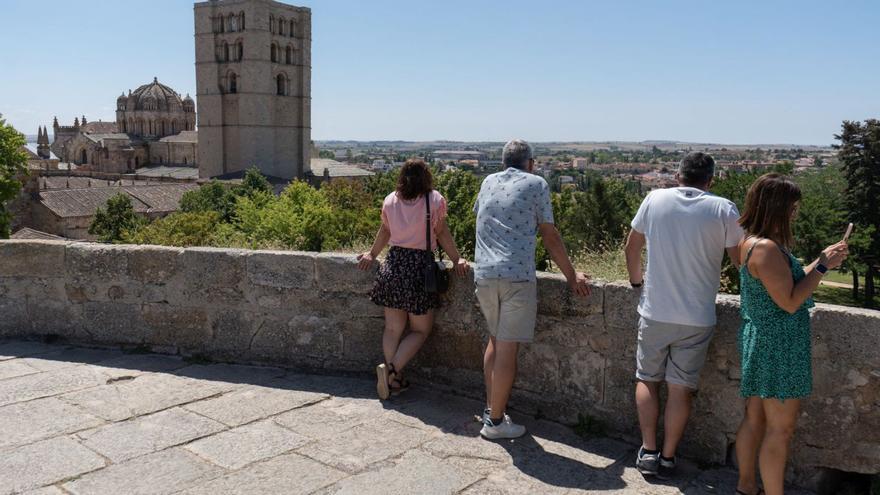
(428, 224)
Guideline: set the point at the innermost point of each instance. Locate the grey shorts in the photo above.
(671, 352)
(510, 308)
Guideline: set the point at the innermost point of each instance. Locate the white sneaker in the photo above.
(486, 413)
(507, 429)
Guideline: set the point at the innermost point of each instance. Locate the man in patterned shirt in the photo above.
(512, 208)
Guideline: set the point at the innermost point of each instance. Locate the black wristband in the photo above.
(637, 285)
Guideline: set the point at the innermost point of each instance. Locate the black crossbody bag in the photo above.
(436, 275)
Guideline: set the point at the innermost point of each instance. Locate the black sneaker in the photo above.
(647, 463)
(667, 468)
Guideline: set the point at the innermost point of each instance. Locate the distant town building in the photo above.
(324, 170)
(253, 77)
(457, 155)
(580, 163)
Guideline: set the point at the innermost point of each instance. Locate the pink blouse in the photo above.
(406, 219)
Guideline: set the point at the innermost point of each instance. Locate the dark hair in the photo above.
(696, 169)
(415, 179)
(769, 207)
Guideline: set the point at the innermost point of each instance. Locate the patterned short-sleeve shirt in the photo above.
(509, 208)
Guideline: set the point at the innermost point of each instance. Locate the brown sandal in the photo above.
(395, 377)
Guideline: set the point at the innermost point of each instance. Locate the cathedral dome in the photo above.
(188, 104)
(155, 96)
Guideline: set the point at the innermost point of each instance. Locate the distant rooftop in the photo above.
(158, 198)
(336, 169)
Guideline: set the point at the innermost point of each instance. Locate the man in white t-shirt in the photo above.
(686, 230)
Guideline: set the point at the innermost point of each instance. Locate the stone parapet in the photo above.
(310, 311)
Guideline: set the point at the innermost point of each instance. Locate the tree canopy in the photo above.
(13, 162)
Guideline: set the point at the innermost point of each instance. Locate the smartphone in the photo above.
(848, 232)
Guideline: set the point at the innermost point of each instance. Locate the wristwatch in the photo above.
(821, 268)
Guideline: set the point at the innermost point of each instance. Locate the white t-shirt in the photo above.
(687, 231)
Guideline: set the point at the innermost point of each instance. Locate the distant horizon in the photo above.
(31, 138)
(575, 71)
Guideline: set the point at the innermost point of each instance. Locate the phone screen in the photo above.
(848, 232)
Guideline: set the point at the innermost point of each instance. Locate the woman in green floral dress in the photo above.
(776, 294)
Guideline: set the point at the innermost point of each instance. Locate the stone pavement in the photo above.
(84, 421)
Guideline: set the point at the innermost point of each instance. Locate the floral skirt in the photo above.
(401, 282)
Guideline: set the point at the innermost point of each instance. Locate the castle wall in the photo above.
(311, 311)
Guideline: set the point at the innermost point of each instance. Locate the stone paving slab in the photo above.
(156, 474)
(355, 449)
(252, 403)
(238, 447)
(413, 472)
(148, 434)
(44, 463)
(15, 367)
(48, 490)
(39, 385)
(107, 422)
(28, 422)
(290, 474)
(143, 395)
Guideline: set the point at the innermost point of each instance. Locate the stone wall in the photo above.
(310, 310)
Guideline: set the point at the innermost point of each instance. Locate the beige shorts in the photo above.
(510, 308)
(671, 353)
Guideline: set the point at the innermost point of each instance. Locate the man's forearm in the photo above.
(635, 242)
(556, 248)
(634, 264)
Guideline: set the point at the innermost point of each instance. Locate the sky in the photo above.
(742, 72)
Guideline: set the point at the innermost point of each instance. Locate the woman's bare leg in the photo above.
(395, 324)
(781, 421)
(748, 441)
(419, 328)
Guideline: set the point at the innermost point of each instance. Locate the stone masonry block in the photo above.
(232, 331)
(32, 258)
(184, 327)
(621, 303)
(296, 339)
(281, 269)
(210, 276)
(113, 323)
(42, 288)
(569, 332)
(86, 262)
(153, 264)
(13, 317)
(556, 299)
(338, 272)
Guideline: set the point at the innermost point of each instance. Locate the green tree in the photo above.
(326, 154)
(211, 197)
(118, 220)
(859, 153)
(460, 188)
(178, 229)
(13, 162)
(253, 183)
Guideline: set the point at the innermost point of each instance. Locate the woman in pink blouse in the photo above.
(400, 285)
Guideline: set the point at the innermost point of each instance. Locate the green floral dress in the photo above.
(775, 345)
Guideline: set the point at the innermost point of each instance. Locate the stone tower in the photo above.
(253, 84)
(43, 143)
